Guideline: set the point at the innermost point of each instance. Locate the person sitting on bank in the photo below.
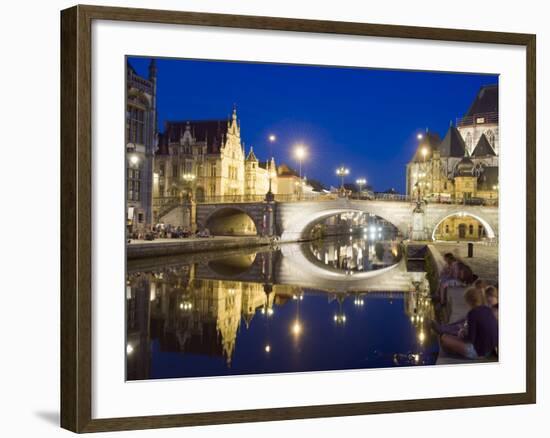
(448, 276)
(491, 297)
(480, 337)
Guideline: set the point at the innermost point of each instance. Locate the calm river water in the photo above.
(296, 308)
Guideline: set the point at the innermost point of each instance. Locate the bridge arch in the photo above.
(232, 266)
(298, 224)
(232, 221)
(490, 230)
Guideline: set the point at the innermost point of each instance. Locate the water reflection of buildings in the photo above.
(190, 315)
(419, 308)
(355, 254)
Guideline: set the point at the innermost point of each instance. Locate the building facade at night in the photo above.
(461, 168)
(141, 114)
(206, 160)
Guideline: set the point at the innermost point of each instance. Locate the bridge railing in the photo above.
(165, 203)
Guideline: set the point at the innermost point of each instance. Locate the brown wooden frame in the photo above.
(76, 178)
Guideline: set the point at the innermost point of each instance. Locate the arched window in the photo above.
(490, 134)
(471, 229)
(446, 229)
(469, 141)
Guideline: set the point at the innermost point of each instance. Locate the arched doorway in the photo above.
(462, 226)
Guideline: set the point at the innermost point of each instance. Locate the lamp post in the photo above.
(424, 151)
(271, 172)
(361, 182)
(300, 153)
(342, 172)
(188, 178)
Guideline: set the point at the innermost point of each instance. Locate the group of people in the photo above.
(475, 336)
(168, 231)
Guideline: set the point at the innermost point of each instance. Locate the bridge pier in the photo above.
(269, 219)
(418, 231)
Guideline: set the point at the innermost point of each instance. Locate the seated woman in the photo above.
(480, 338)
(447, 277)
(491, 297)
(480, 284)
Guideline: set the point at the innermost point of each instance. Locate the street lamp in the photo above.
(360, 182)
(419, 136)
(300, 153)
(342, 172)
(188, 177)
(134, 159)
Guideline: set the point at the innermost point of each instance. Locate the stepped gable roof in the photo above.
(483, 148)
(486, 101)
(488, 178)
(453, 144)
(212, 132)
(431, 141)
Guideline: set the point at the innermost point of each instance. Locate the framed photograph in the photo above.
(270, 218)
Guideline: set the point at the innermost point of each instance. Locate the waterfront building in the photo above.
(205, 160)
(461, 168)
(481, 119)
(140, 141)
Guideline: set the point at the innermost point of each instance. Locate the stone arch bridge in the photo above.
(291, 221)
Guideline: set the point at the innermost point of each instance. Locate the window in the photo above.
(188, 166)
(136, 125)
(446, 229)
(468, 141)
(133, 184)
(161, 169)
(213, 170)
(175, 170)
(471, 229)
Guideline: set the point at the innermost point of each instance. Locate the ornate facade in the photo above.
(141, 129)
(463, 167)
(205, 160)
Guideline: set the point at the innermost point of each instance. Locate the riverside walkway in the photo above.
(484, 264)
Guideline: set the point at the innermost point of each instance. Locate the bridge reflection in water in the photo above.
(344, 303)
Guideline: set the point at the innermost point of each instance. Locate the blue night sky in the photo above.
(366, 119)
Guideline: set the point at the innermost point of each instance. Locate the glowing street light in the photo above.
(134, 159)
(188, 177)
(419, 136)
(360, 182)
(342, 172)
(300, 153)
(272, 138)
